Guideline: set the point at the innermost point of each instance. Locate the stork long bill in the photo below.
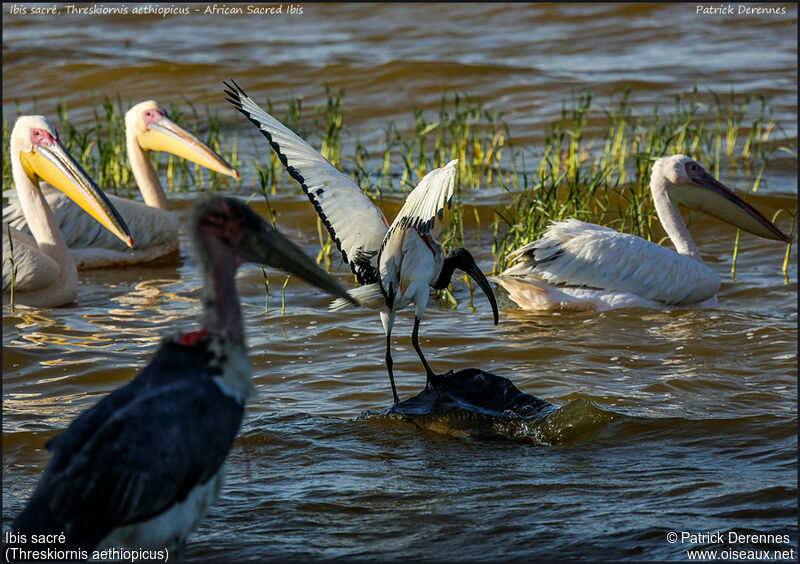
(52, 163)
(265, 244)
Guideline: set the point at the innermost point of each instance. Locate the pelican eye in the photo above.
(693, 169)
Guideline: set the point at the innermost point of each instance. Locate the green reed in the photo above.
(264, 180)
(593, 164)
(13, 267)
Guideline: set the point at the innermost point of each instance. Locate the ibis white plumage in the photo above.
(140, 469)
(398, 263)
(155, 229)
(39, 266)
(582, 266)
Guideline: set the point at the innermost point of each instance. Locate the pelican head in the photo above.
(153, 130)
(690, 185)
(42, 156)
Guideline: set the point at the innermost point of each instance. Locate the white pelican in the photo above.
(154, 228)
(141, 468)
(399, 263)
(582, 266)
(42, 270)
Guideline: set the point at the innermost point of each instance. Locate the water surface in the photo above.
(672, 421)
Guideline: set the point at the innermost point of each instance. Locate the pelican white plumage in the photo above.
(155, 229)
(398, 263)
(40, 267)
(582, 266)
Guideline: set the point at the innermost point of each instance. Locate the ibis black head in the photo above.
(462, 259)
(229, 233)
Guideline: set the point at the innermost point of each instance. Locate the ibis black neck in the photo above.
(457, 258)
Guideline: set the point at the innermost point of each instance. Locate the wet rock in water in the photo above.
(475, 391)
(474, 403)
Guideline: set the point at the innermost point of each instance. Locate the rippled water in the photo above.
(668, 421)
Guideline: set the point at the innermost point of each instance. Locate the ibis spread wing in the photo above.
(356, 224)
(427, 200)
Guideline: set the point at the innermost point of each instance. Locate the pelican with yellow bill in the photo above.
(155, 229)
(38, 268)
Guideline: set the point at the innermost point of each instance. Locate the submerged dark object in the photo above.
(479, 404)
(472, 390)
(472, 402)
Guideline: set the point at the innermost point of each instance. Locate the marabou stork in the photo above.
(141, 468)
(583, 266)
(40, 268)
(398, 263)
(155, 229)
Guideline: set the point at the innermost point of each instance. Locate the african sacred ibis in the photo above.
(40, 268)
(155, 229)
(397, 263)
(583, 266)
(141, 468)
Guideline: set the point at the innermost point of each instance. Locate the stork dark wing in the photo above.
(137, 452)
(354, 222)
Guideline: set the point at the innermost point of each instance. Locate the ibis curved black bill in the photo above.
(476, 274)
(462, 259)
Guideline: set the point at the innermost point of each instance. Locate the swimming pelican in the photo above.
(154, 228)
(140, 469)
(582, 266)
(40, 268)
(397, 264)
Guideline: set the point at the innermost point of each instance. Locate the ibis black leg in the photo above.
(415, 342)
(389, 365)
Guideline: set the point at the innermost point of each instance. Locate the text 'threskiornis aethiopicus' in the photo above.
(141, 468)
(398, 263)
(583, 266)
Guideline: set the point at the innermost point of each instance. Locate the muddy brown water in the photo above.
(669, 421)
